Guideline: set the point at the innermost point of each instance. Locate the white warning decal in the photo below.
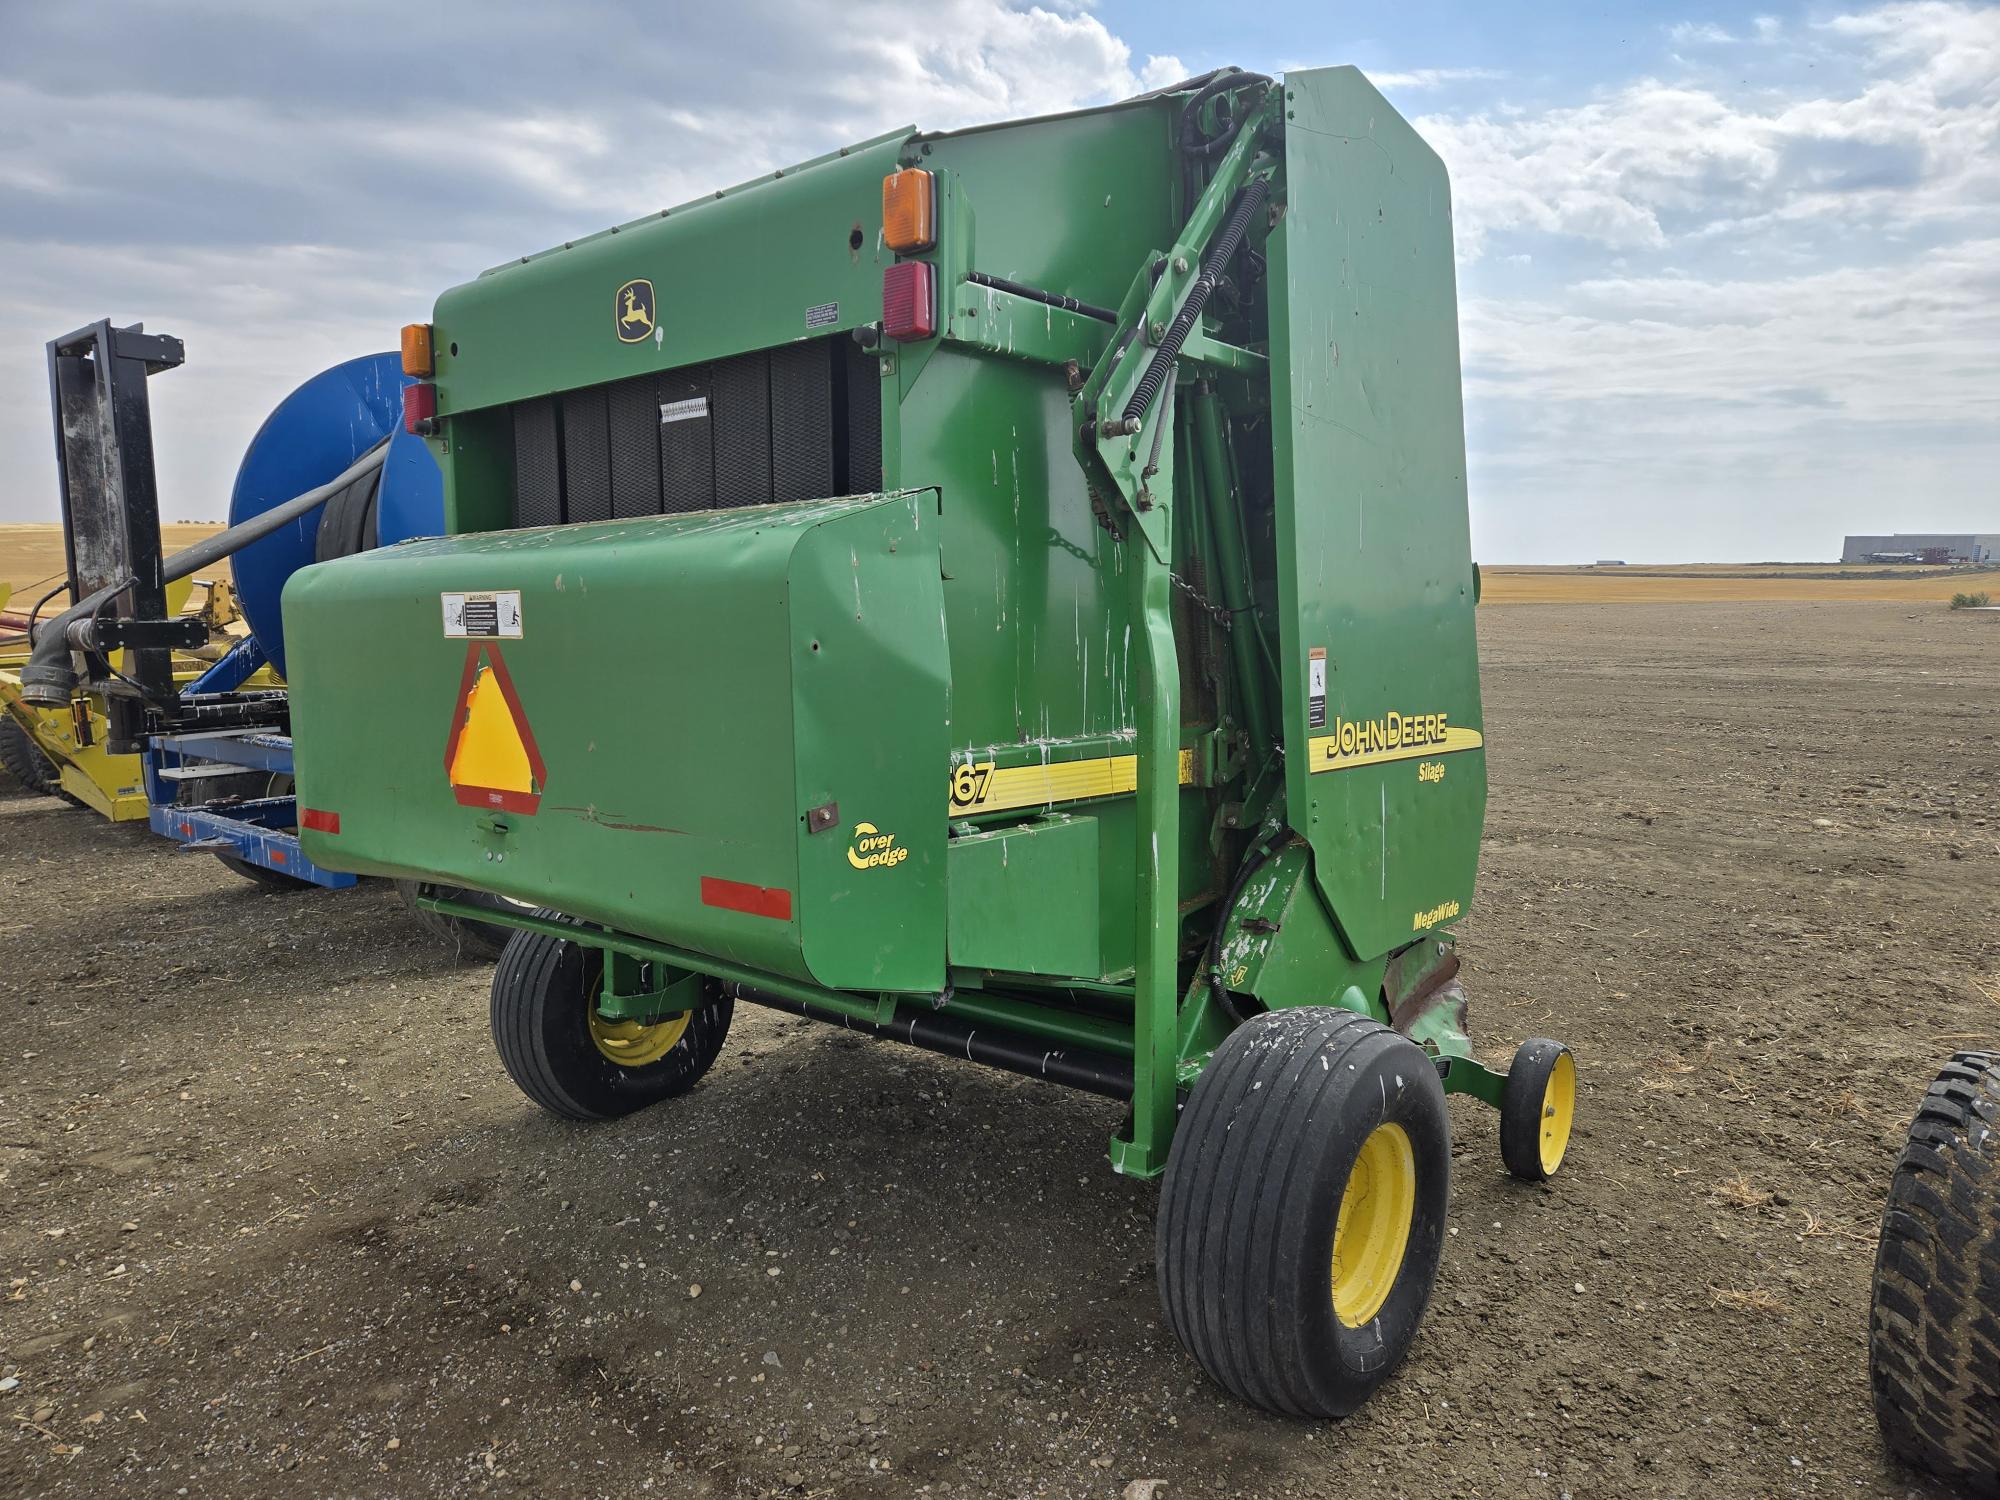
(497, 615)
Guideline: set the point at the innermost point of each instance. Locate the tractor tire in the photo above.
(1934, 1333)
(1303, 1213)
(25, 759)
(553, 1045)
(465, 937)
(270, 880)
(1538, 1110)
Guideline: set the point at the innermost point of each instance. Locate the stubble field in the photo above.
(276, 1224)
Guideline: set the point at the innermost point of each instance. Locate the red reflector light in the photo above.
(909, 300)
(420, 405)
(321, 822)
(753, 900)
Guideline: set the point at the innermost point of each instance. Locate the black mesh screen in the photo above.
(537, 464)
(741, 397)
(802, 421)
(635, 457)
(586, 466)
(863, 398)
(687, 453)
(793, 423)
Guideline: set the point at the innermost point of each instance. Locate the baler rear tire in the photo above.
(1258, 1186)
(1934, 1330)
(544, 989)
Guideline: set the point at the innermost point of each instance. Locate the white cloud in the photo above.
(1904, 347)
(1918, 142)
(1431, 78)
(1697, 33)
(284, 196)
(1781, 309)
(1700, 317)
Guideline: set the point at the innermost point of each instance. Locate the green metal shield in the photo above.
(722, 730)
(1383, 733)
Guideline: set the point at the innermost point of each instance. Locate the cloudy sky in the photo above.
(1730, 277)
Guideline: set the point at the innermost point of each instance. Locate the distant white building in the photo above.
(1924, 546)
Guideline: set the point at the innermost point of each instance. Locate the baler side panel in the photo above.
(654, 668)
(1374, 551)
(869, 674)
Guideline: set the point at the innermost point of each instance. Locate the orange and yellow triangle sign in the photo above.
(491, 759)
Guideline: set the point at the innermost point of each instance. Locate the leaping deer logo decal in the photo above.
(632, 312)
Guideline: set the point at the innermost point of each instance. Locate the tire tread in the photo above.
(1934, 1347)
(1251, 1138)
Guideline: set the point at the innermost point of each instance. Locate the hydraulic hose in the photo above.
(48, 679)
(1219, 82)
(1249, 202)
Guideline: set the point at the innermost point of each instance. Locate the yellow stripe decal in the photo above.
(981, 787)
(1365, 746)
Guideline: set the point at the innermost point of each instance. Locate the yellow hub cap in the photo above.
(1558, 1112)
(633, 1044)
(1374, 1226)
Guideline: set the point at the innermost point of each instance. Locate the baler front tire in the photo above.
(544, 997)
(1538, 1110)
(1302, 1216)
(1934, 1330)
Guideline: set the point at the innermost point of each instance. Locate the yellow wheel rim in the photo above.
(1558, 1113)
(633, 1044)
(1373, 1231)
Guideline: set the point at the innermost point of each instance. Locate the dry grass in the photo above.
(1818, 1227)
(1740, 1192)
(1747, 1299)
(1704, 584)
(1669, 1072)
(33, 554)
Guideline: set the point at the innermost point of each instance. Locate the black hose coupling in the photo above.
(48, 684)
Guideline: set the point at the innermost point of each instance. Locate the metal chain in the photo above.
(1215, 612)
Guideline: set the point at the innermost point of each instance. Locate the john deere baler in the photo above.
(1008, 591)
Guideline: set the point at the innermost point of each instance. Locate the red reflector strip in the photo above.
(321, 822)
(420, 405)
(754, 900)
(909, 301)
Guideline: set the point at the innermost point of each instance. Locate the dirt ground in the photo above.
(273, 1222)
